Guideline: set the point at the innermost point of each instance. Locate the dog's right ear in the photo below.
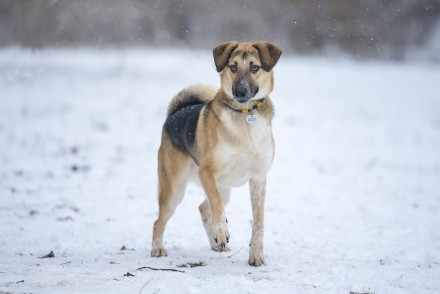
(222, 53)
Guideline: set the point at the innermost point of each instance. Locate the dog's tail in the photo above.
(192, 95)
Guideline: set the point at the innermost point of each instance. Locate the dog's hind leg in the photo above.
(173, 168)
(205, 211)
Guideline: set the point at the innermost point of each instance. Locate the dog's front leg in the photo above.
(220, 232)
(258, 193)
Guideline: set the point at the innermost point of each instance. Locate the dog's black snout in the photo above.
(240, 92)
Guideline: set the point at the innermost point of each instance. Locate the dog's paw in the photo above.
(256, 258)
(217, 248)
(220, 235)
(158, 252)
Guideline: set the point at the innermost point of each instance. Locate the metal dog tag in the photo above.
(251, 119)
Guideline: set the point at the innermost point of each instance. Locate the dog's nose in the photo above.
(240, 93)
(242, 90)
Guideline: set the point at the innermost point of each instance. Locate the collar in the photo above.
(249, 109)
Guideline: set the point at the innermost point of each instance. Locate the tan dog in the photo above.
(223, 139)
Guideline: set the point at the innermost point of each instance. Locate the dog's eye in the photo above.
(254, 68)
(233, 68)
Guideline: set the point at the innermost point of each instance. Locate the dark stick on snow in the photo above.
(160, 269)
(49, 255)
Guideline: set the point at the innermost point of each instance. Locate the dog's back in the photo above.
(183, 113)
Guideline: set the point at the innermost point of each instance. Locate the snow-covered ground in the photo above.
(353, 200)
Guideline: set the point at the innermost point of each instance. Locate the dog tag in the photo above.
(251, 119)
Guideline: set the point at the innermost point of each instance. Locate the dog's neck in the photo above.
(233, 105)
(262, 106)
(247, 109)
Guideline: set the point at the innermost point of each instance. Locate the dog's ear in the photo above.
(269, 54)
(222, 53)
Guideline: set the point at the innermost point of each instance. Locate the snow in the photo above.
(353, 197)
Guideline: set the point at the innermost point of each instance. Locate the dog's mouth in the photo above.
(242, 101)
(244, 95)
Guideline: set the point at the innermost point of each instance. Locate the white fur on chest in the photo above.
(249, 156)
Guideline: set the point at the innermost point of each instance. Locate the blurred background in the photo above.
(384, 29)
(354, 192)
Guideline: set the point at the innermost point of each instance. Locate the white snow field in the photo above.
(353, 197)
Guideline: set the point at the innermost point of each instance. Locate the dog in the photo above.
(222, 138)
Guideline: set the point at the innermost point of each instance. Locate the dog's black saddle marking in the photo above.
(181, 127)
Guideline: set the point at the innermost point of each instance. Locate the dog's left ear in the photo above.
(269, 54)
(222, 53)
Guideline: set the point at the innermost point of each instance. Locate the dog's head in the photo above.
(246, 69)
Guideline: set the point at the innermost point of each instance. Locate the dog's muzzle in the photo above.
(244, 90)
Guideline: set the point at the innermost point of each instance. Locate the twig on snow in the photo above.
(363, 292)
(159, 269)
(142, 289)
(49, 255)
(235, 252)
(192, 264)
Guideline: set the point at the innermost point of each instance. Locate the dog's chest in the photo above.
(248, 155)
